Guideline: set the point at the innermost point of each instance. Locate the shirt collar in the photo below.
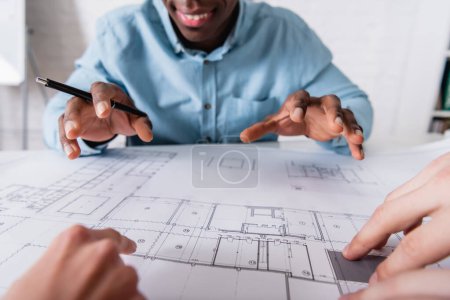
(233, 39)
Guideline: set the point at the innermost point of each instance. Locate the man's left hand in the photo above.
(321, 119)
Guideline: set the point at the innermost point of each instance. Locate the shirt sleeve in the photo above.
(88, 69)
(332, 81)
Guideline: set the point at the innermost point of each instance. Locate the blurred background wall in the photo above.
(394, 49)
(60, 32)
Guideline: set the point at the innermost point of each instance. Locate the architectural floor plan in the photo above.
(264, 242)
(295, 244)
(342, 179)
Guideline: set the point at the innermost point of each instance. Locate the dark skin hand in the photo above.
(99, 122)
(321, 119)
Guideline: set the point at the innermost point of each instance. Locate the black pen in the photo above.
(86, 96)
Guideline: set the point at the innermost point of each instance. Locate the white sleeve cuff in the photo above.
(87, 150)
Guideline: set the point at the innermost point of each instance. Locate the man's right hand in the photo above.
(99, 122)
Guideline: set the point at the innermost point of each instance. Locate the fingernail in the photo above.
(69, 126)
(101, 108)
(345, 251)
(373, 279)
(339, 121)
(68, 149)
(133, 246)
(245, 139)
(127, 244)
(298, 113)
(359, 132)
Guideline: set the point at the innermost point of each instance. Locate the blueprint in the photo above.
(210, 222)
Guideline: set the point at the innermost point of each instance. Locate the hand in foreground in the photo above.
(321, 119)
(400, 275)
(99, 122)
(81, 264)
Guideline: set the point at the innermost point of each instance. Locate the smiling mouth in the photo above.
(194, 20)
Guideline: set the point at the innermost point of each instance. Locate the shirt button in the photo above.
(206, 62)
(207, 106)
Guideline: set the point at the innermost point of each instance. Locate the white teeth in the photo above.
(196, 17)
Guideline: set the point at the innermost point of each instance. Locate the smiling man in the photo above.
(208, 71)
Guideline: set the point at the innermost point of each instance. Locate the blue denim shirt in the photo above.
(193, 96)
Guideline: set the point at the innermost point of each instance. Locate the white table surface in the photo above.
(296, 143)
(385, 145)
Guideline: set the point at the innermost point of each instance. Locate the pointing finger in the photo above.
(386, 220)
(124, 245)
(258, 130)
